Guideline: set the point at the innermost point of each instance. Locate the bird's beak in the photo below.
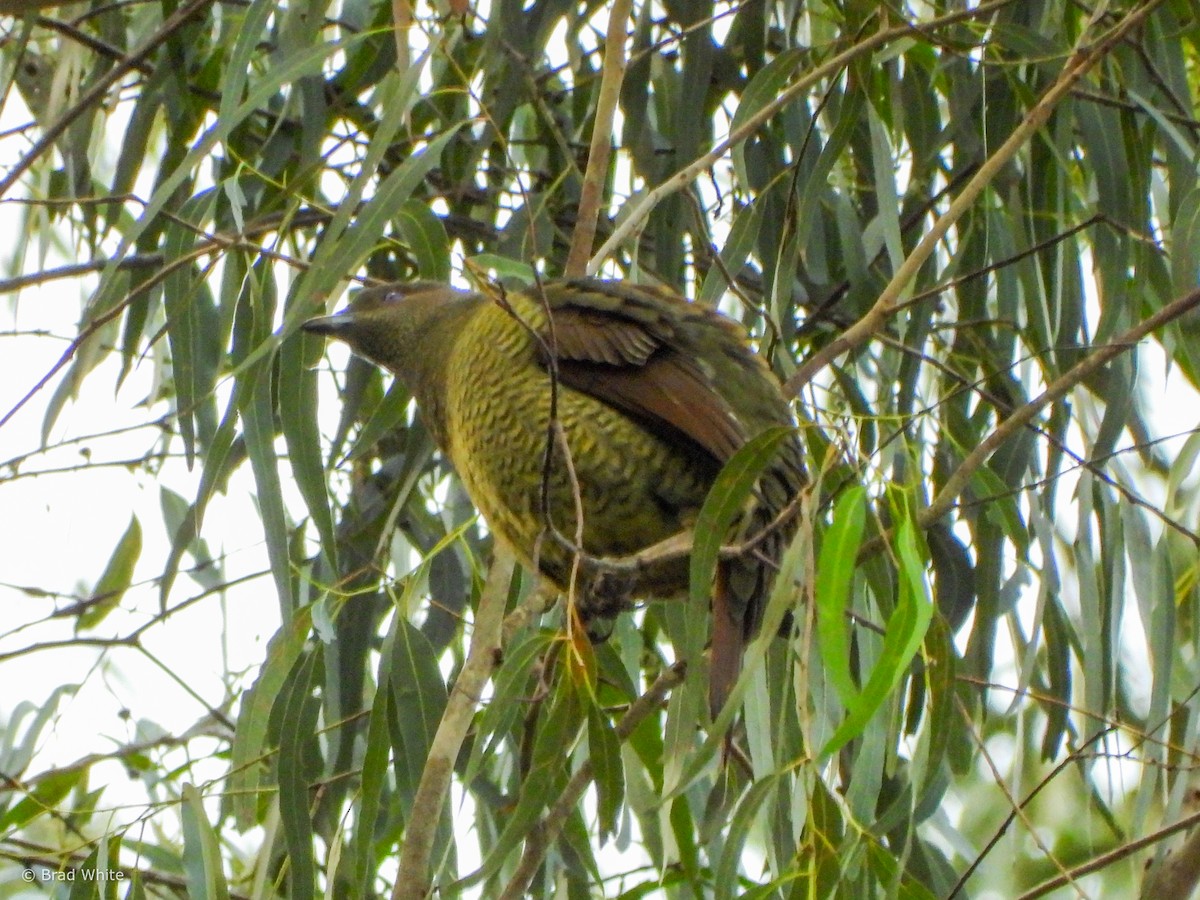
(334, 326)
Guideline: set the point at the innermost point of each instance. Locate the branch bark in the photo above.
(601, 146)
(413, 880)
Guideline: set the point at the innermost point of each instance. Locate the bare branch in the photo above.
(412, 881)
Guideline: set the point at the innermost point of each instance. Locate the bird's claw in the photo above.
(608, 595)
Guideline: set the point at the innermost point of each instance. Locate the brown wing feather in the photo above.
(668, 395)
(619, 344)
(599, 338)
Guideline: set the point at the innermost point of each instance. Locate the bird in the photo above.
(652, 395)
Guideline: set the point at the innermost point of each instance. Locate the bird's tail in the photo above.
(728, 641)
(743, 585)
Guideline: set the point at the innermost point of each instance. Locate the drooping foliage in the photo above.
(965, 238)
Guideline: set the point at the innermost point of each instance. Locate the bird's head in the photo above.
(403, 327)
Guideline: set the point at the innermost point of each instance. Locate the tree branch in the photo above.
(598, 153)
(412, 881)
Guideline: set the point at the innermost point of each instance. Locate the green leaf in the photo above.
(249, 740)
(902, 638)
(360, 237)
(87, 883)
(187, 301)
(503, 267)
(604, 750)
(763, 89)
(374, 780)
(733, 255)
(1185, 243)
(297, 399)
(258, 426)
(425, 236)
(295, 715)
(117, 577)
(16, 748)
(746, 817)
(248, 26)
(391, 412)
(305, 61)
(1101, 134)
(941, 721)
(835, 574)
(44, 798)
(557, 729)
(725, 502)
(511, 689)
(419, 697)
(201, 850)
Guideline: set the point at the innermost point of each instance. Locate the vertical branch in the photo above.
(412, 881)
(613, 73)
(402, 19)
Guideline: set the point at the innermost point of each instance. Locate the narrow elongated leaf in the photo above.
(43, 799)
(294, 716)
(201, 851)
(418, 693)
(245, 771)
(902, 637)
(118, 575)
(374, 778)
(725, 500)
(557, 729)
(604, 750)
(763, 88)
(835, 574)
(188, 306)
(425, 236)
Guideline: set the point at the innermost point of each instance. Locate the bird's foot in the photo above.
(607, 596)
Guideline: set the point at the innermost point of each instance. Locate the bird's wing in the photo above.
(625, 345)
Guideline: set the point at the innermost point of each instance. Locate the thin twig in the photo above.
(94, 325)
(1016, 810)
(1116, 855)
(543, 835)
(960, 477)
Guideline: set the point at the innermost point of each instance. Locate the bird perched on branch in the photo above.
(652, 394)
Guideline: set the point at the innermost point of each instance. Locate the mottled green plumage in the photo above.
(655, 394)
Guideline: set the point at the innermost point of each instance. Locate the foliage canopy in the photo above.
(968, 240)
